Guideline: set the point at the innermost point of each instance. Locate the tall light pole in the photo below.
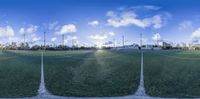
(141, 40)
(157, 42)
(44, 41)
(72, 44)
(63, 40)
(24, 40)
(114, 43)
(122, 40)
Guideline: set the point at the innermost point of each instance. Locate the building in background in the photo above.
(165, 45)
(194, 47)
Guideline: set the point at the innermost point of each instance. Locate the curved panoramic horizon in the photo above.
(99, 49)
(99, 22)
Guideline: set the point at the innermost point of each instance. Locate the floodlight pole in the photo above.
(72, 44)
(63, 40)
(114, 43)
(122, 40)
(44, 41)
(24, 39)
(157, 42)
(141, 40)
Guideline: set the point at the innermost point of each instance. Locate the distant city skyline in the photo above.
(98, 22)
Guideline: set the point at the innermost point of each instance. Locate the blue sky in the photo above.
(90, 22)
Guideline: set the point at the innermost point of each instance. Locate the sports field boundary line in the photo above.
(42, 88)
(141, 89)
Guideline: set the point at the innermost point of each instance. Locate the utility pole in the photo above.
(63, 40)
(141, 39)
(24, 40)
(157, 42)
(114, 43)
(44, 41)
(72, 44)
(123, 41)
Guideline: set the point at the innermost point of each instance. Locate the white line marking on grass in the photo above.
(141, 90)
(42, 89)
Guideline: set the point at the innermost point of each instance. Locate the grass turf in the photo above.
(92, 73)
(19, 74)
(172, 73)
(100, 73)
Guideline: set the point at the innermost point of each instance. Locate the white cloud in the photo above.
(196, 34)
(108, 43)
(151, 7)
(111, 14)
(131, 18)
(6, 31)
(98, 37)
(111, 33)
(69, 28)
(35, 38)
(22, 30)
(185, 25)
(52, 25)
(53, 39)
(70, 38)
(8, 40)
(146, 7)
(102, 36)
(30, 29)
(144, 41)
(94, 23)
(156, 21)
(12, 39)
(156, 37)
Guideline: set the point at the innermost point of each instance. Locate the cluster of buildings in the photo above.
(162, 45)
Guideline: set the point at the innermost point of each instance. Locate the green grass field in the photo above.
(19, 74)
(92, 73)
(100, 73)
(172, 73)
